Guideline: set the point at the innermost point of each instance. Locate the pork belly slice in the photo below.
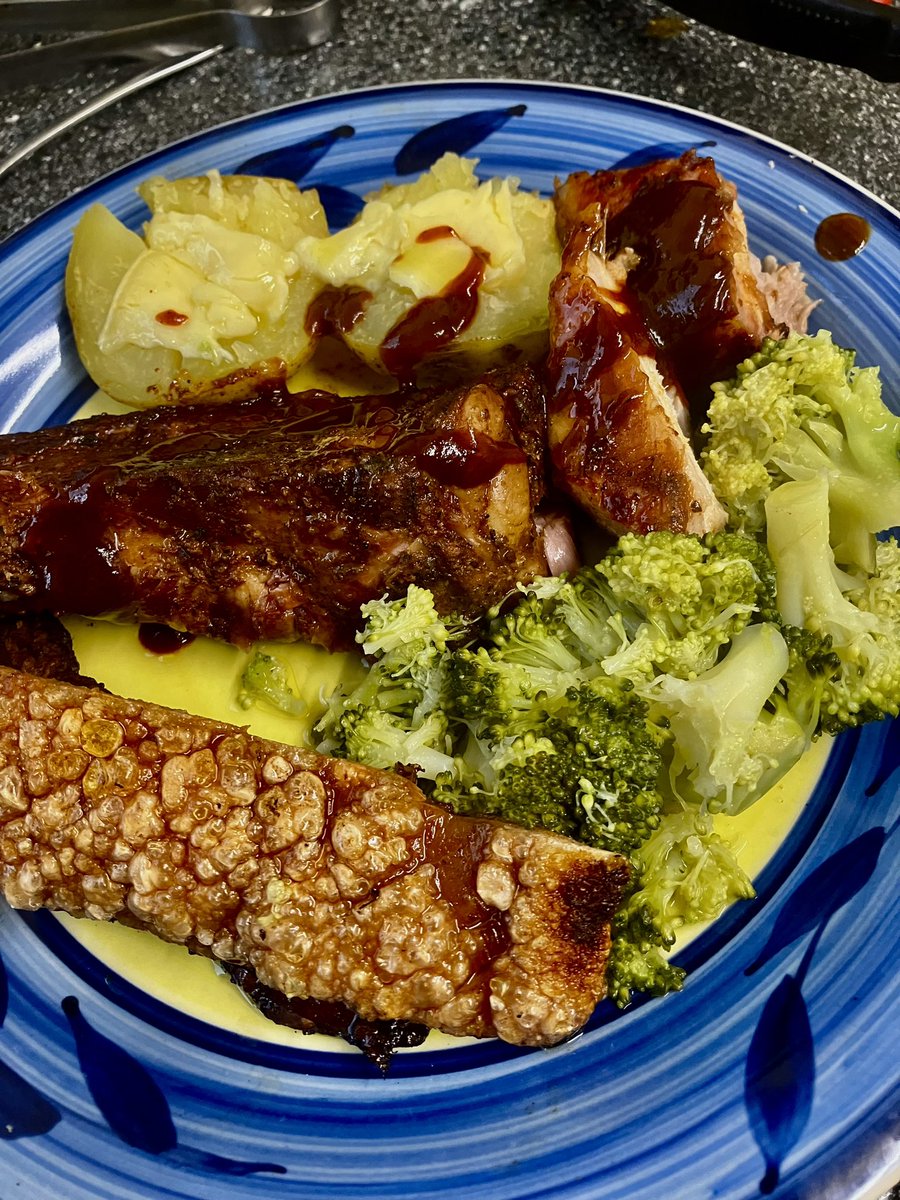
(329, 879)
(616, 441)
(694, 282)
(277, 516)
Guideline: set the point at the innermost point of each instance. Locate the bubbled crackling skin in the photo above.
(329, 879)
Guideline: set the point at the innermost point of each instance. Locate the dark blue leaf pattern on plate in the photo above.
(24, 1112)
(199, 1160)
(888, 761)
(295, 161)
(458, 134)
(825, 889)
(133, 1104)
(779, 1077)
(340, 205)
(130, 1100)
(4, 992)
(647, 154)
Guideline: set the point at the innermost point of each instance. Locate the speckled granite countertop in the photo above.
(840, 116)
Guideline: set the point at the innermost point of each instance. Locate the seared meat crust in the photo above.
(278, 516)
(694, 282)
(329, 879)
(616, 443)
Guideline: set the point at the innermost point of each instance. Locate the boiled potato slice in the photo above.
(210, 301)
(411, 241)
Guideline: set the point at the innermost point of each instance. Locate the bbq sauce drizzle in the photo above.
(842, 236)
(435, 321)
(145, 479)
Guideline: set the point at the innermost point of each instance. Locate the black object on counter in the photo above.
(853, 33)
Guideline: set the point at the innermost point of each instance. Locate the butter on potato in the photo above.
(391, 252)
(209, 301)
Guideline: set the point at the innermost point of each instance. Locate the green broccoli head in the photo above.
(797, 409)
(680, 599)
(734, 734)
(683, 873)
(588, 767)
(382, 739)
(409, 628)
(396, 714)
(688, 873)
(267, 679)
(637, 962)
(857, 617)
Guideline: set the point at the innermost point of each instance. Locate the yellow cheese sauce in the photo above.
(202, 678)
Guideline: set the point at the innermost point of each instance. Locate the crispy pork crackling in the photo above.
(329, 879)
(278, 516)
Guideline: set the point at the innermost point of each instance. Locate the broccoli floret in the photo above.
(734, 734)
(395, 715)
(588, 766)
(693, 595)
(688, 873)
(797, 409)
(269, 680)
(637, 962)
(684, 873)
(658, 603)
(409, 629)
(858, 615)
(382, 739)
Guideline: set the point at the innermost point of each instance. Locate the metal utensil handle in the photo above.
(853, 33)
(104, 100)
(174, 38)
(45, 16)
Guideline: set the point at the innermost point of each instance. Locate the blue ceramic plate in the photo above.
(774, 1072)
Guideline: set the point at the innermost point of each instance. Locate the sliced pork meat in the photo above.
(278, 516)
(694, 280)
(787, 295)
(616, 442)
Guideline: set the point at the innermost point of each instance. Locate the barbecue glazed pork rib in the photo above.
(329, 879)
(616, 441)
(278, 516)
(695, 281)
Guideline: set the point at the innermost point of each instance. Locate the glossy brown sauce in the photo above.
(842, 236)
(435, 321)
(170, 474)
(336, 310)
(595, 380)
(684, 277)
(169, 316)
(459, 458)
(455, 846)
(69, 543)
(377, 1039)
(162, 639)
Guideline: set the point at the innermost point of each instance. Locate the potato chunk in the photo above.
(415, 242)
(207, 302)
